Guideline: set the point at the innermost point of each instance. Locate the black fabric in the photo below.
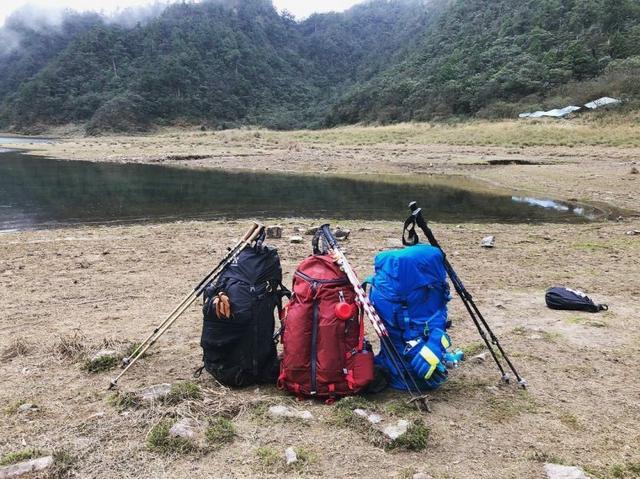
(573, 300)
(240, 351)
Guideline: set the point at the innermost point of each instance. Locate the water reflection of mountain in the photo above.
(41, 191)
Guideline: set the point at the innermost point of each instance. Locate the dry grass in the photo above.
(18, 347)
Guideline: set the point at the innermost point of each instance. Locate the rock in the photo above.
(634, 170)
(480, 358)
(633, 232)
(557, 471)
(394, 243)
(311, 231)
(296, 229)
(290, 456)
(27, 408)
(394, 431)
(185, 428)
(26, 467)
(488, 242)
(372, 417)
(295, 239)
(156, 392)
(341, 234)
(104, 353)
(274, 232)
(280, 410)
(421, 475)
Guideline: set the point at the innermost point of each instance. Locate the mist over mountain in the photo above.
(240, 62)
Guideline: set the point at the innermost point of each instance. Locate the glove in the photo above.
(223, 306)
(425, 356)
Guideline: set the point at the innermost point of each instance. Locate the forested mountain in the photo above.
(495, 56)
(233, 62)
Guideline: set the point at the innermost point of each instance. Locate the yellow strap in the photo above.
(430, 358)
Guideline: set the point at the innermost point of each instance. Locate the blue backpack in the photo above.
(410, 292)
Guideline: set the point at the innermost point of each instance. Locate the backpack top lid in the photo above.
(403, 270)
(255, 265)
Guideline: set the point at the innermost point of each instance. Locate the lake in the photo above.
(38, 192)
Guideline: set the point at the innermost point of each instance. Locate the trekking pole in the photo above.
(466, 297)
(253, 232)
(398, 361)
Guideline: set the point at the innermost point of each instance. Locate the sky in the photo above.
(300, 8)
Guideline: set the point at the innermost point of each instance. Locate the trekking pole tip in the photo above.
(523, 383)
(506, 378)
(125, 361)
(112, 385)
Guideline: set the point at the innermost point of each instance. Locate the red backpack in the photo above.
(325, 353)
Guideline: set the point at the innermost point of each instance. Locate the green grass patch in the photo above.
(220, 431)
(183, 391)
(122, 401)
(627, 470)
(63, 462)
(100, 364)
(415, 439)
(19, 456)
(305, 458)
(473, 348)
(159, 440)
(268, 457)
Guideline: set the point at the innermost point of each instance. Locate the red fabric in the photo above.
(335, 337)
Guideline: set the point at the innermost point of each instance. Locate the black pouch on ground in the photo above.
(572, 300)
(240, 350)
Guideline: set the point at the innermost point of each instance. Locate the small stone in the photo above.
(480, 358)
(372, 417)
(295, 239)
(311, 231)
(394, 431)
(341, 234)
(557, 471)
(488, 242)
(185, 428)
(104, 353)
(156, 392)
(274, 232)
(633, 232)
(421, 475)
(394, 243)
(280, 410)
(290, 456)
(26, 467)
(634, 170)
(27, 408)
(500, 306)
(296, 229)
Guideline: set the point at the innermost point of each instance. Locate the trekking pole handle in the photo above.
(326, 231)
(251, 231)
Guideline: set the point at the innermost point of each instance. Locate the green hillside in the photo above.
(235, 62)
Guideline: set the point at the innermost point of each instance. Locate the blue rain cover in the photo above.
(410, 292)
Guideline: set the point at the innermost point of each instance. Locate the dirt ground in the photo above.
(67, 293)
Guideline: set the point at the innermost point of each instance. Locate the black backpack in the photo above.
(571, 299)
(241, 350)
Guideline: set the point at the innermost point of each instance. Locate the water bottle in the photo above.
(452, 360)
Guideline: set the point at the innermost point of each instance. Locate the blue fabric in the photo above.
(410, 292)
